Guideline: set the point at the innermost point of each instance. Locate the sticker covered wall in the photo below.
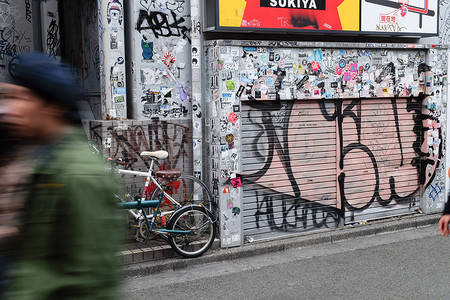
(271, 72)
(336, 15)
(307, 136)
(161, 64)
(112, 45)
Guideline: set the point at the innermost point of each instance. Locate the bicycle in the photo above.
(181, 191)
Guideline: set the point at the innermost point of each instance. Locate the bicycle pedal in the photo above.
(135, 226)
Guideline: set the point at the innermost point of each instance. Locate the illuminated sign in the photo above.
(290, 14)
(408, 17)
(400, 16)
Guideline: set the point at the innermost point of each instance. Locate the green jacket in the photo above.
(70, 238)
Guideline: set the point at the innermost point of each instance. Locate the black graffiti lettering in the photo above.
(13, 35)
(299, 214)
(53, 41)
(28, 10)
(159, 23)
(6, 48)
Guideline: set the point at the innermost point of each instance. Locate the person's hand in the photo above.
(443, 225)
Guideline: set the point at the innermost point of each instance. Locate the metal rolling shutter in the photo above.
(289, 168)
(381, 140)
(308, 163)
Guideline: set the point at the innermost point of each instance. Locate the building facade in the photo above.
(297, 122)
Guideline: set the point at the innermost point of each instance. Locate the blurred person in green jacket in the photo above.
(67, 235)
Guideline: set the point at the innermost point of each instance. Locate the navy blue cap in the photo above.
(54, 80)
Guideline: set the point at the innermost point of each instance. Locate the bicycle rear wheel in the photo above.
(198, 220)
(186, 190)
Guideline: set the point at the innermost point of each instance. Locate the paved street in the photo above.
(408, 264)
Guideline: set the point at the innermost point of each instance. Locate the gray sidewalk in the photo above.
(141, 259)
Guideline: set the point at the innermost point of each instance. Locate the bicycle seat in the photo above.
(172, 174)
(160, 154)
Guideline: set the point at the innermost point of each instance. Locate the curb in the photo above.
(281, 244)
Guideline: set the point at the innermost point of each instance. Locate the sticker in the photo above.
(226, 190)
(318, 55)
(236, 182)
(315, 66)
(302, 81)
(246, 80)
(121, 90)
(168, 59)
(342, 63)
(107, 144)
(250, 49)
(147, 49)
(270, 81)
(119, 98)
(229, 138)
(113, 41)
(240, 91)
(230, 86)
(236, 211)
(195, 63)
(232, 117)
(347, 76)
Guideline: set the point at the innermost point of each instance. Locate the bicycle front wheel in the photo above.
(198, 221)
(185, 190)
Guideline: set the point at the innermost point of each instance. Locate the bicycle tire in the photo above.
(198, 219)
(187, 190)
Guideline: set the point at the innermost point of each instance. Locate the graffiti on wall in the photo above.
(16, 32)
(162, 60)
(383, 159)
(53, 40)
(335, 159)
(88, 60)
(126, 140)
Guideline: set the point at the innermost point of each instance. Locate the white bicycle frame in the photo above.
(149, 176)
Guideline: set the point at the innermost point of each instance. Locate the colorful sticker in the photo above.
(147, 49)
(236, 182)
(232, 117)
(226, 189)
(229, 138)
(168, 59)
